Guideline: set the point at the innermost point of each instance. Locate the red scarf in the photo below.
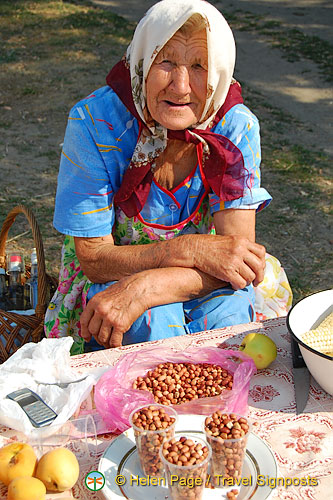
(223, 167)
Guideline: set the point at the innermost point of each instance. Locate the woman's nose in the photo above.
(181, 80)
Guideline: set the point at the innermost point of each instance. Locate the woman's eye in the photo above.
(198, 66)
(166, 64)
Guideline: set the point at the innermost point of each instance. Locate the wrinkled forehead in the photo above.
(187, 46)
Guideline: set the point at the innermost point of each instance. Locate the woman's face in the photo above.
(177, 81)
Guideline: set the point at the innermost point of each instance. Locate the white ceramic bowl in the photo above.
(307, 314)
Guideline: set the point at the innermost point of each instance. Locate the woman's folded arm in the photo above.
(233, 256)
(110, 313)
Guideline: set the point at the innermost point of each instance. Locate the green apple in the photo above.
(260, 348)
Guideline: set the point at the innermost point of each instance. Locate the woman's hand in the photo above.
(234, 256)
(110, 313)
(233, 259)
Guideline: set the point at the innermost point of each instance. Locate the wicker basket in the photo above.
(18, 329)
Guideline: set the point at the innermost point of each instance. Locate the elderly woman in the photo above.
(158, 189)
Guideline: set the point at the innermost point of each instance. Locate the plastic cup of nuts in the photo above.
(227, 434)
(152, 425)
(186, 463)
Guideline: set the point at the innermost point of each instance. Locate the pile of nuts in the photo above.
(227, 434)
(176, 383)
(152, 418)
(227, 426)
(156, 426)
(184, 452)
(179, 454)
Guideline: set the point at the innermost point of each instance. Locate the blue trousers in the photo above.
(220, 308)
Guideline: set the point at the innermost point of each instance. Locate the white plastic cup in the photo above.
(78, 435)
(228, 456)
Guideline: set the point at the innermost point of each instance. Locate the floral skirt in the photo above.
(62, 318)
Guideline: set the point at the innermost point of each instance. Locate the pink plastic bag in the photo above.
(115, 398)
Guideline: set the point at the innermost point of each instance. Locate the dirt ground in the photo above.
(292, 98)
(295, 87)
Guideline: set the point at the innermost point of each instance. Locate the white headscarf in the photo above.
(156, 28)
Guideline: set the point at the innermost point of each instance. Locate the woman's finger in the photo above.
(116, 338)
(256, 266)
(84, 322)
(238, 283)
(247, 273)
(95, 325)
(104, 334)
(258, 250)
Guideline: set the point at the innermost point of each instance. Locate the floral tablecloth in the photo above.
(302, 444)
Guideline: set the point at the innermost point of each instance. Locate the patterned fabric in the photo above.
(63, 313)
(273, 295)
(62, 317)
(301, 444)
(136, 230)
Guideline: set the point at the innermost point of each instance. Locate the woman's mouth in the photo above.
(177, 104)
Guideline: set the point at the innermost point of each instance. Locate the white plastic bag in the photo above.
(48, 362)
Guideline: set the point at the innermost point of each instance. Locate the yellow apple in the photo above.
(260, 348)
(26, 488)
(16, 459)
(58, 469)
